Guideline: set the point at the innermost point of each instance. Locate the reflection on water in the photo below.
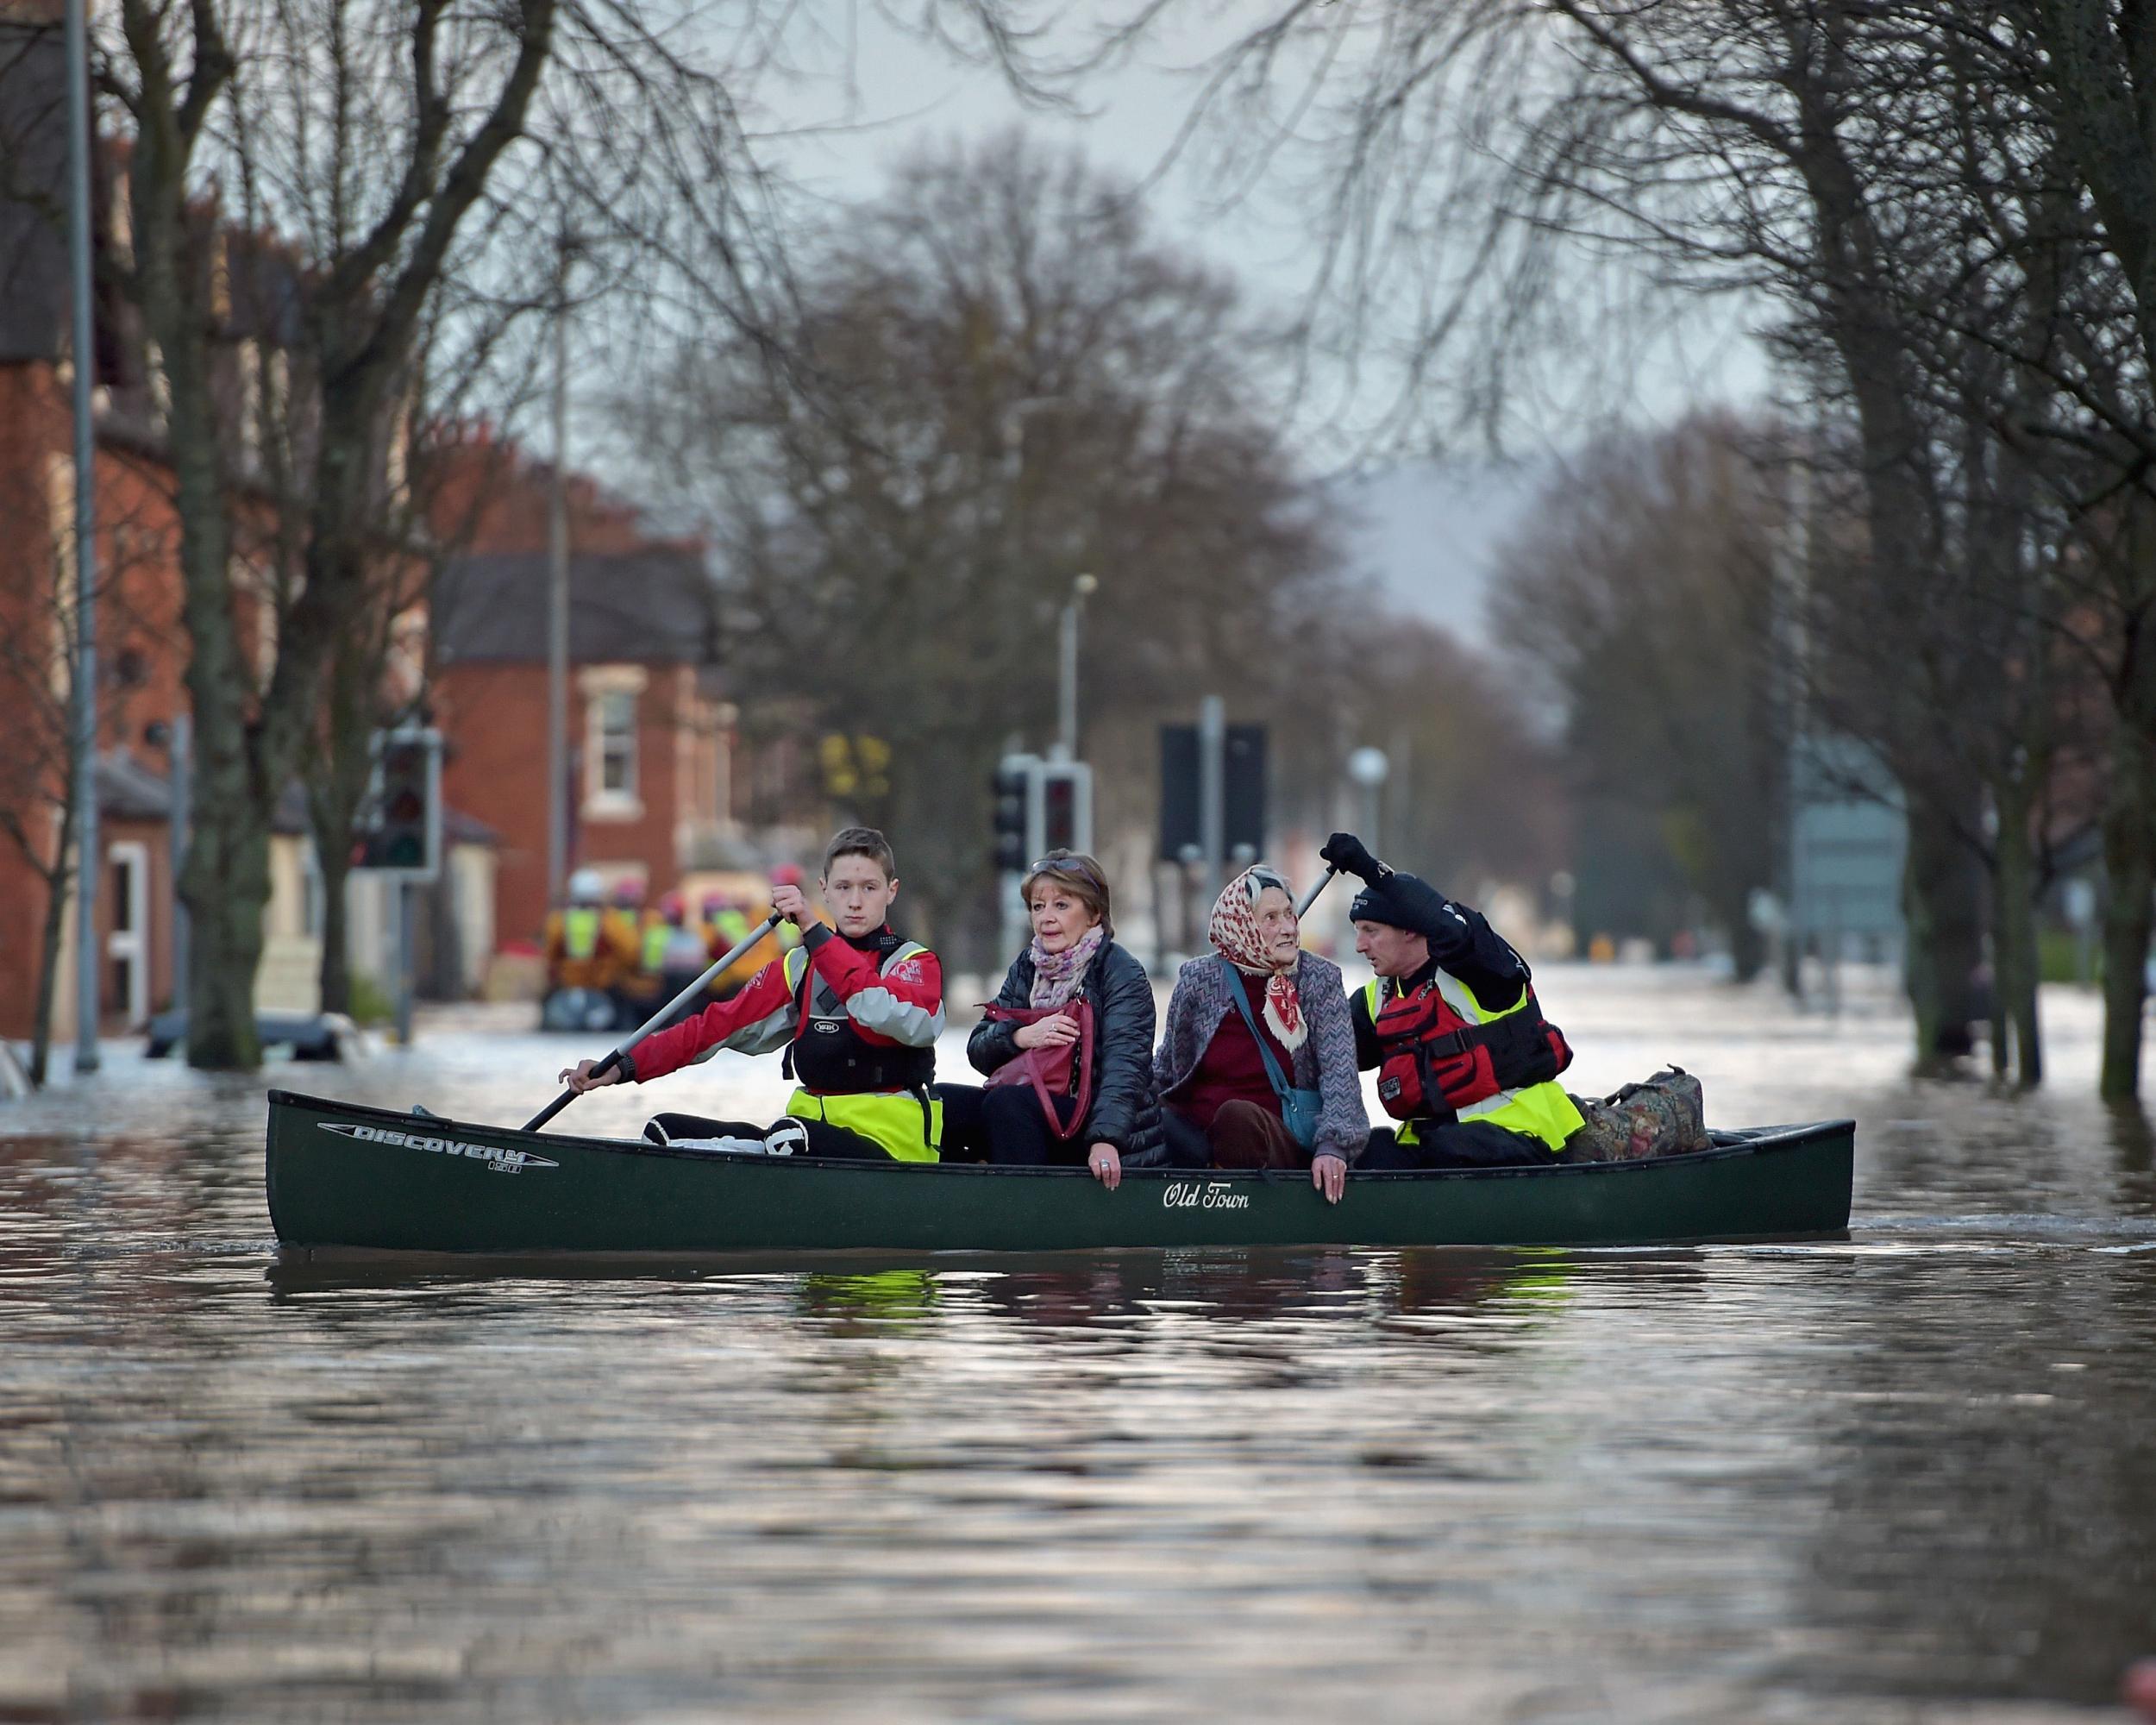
(1882, 1478)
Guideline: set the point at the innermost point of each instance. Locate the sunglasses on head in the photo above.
(1063, 865)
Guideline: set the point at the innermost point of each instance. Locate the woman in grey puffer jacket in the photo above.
(1073, 957)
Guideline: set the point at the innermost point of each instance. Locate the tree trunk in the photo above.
(2129, 810)
(336, 974)
(2129, 870)
(49, 942)
(1941, 900)
(2014, 970)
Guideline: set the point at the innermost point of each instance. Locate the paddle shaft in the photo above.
(1310, 897)
(723, 962)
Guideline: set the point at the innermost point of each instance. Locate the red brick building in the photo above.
(141, 642)
(651, 735)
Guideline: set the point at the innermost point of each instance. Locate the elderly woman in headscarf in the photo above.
(1073, 957)
(1256, 1065)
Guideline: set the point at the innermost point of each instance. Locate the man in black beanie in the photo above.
(1466, 1062)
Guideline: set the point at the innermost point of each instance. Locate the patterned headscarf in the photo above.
(1236, 939)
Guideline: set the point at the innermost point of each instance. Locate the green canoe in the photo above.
(348, 1179)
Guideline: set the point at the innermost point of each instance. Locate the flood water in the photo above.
(1909, 1476)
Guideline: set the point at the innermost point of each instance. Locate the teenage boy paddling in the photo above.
(857, 1010)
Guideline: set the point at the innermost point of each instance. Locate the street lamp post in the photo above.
(84, 360)
(1082, 589)
(558, 593)
(1368, 767)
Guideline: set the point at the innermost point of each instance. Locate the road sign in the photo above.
(1243, 789)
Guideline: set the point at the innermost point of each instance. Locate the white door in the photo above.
(128, 941)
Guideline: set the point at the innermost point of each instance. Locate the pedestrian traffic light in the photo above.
(1040, 807)
(1016, 787)
(1066, 807)
(399, 828)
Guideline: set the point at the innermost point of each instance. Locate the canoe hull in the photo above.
(346, 1178)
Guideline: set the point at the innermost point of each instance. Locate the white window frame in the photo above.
(600, 685)
(132, 944)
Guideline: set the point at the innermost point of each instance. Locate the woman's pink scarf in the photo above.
(1058, 975)
(1236, 939)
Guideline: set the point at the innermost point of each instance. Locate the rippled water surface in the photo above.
(1911, 1475)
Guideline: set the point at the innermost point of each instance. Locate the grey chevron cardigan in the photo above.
(1325, 1062)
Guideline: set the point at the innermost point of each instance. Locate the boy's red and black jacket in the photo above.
(890, 997)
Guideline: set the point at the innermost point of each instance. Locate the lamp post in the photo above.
(1082, 589)
(1369, 767)
(558, 590)
(84, 360)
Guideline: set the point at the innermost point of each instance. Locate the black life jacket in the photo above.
(828, 1054)
(1439, 1057)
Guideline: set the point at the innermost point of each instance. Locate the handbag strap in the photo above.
(1081, 1011)
(1080, 1097)
(1242, 1000)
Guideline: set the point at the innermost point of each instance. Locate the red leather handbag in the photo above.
(1057, 1074)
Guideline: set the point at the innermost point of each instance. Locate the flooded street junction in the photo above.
(1908, 1474)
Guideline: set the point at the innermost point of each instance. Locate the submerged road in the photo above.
(1911, 1475)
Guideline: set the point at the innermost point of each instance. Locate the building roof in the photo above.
(654, 606)
(126, 790)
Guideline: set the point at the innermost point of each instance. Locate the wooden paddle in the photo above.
(664, 1012)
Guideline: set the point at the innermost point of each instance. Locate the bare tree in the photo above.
(1852, 167)
(407, 149)
(1002, 381)
(1643, 593)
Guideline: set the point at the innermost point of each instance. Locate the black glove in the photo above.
(1345, 852)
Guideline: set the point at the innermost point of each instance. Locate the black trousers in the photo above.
(1463, 1144)
(1019, 1135)
(965, 1122)
(1183, 1141)
(824, 1138)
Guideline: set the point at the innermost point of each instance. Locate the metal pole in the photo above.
(86, 365)
(558, 602)
(1074, 617)
(1213, 778)
(404, 964)
(176, 844)
(1067, 686)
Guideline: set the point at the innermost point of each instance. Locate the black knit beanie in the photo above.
(1401, 902)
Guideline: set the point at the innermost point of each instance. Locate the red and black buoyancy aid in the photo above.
(1440, 1055)
(828, 1055)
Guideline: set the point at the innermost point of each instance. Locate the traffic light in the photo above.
(1040, 807)
(400, 832)
(1066, 807)
(1016, 787)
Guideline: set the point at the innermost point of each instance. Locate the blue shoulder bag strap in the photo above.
(1297, 1114)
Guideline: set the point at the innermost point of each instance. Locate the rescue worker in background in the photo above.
(726, 925)
(680, 955)
(578, 953)
(659, 924)
(1466, 1062)
(856, 1008)
(625, 935)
